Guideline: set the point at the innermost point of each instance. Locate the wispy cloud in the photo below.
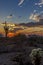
(10, 16)
(37, 16)
(34, 11)
(40, 3)
(20, 3)
(34, 17)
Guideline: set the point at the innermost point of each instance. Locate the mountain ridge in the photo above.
(33, 23)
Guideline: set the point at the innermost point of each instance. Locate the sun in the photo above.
(11, 34)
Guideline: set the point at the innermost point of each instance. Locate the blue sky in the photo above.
(20, 13)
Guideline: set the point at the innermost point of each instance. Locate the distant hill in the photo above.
(33, 23)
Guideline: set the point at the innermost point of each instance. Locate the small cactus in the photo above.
(36, 55)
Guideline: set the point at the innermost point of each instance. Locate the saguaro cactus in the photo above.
(6, 28)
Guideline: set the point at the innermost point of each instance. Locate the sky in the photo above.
(20, 11)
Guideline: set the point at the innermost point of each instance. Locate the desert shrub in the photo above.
(36, 56)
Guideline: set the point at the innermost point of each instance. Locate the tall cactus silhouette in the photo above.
(6, 28)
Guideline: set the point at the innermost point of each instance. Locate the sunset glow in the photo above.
(10, 34)
(21, 32)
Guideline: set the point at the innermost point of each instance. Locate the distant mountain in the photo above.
(40, 22)
(33, 23)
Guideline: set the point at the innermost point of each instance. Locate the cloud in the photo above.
(31, 16)
(40, 6)
(21, 2)
(35, 17)
(40, 3)
(10, 16)
(35, 11)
